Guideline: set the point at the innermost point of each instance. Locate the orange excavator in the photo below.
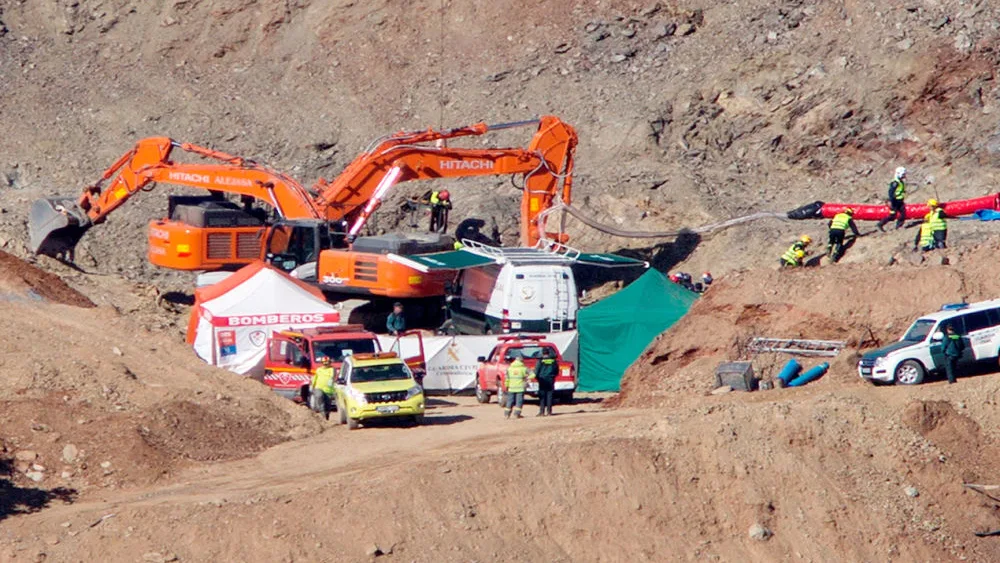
(313, 233)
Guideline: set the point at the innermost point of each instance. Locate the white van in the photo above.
(515, 297)
(920, 350)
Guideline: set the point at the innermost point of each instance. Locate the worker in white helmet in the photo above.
(897, 207)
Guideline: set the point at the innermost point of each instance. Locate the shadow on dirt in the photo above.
(16, 500)
(662, 257)
(178, 298)
(445, 420)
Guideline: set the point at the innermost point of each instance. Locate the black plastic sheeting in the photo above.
(813, 210)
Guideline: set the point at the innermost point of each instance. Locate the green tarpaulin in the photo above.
(615, 331)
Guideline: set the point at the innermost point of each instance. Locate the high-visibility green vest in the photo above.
(790, 257)
(323, 379)
(435, 197)
(516, 376)
(840, 222)
(936, 220)
(926, 235)
(900, 189)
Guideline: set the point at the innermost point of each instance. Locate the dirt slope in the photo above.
(826, 472)
(129, 405)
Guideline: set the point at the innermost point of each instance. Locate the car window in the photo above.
(335, 349)
(994, 315)
(492, 355)
(976, 321)
(526, 353)
(385, 372)
(919, 331)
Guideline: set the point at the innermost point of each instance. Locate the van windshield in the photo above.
(919, 331)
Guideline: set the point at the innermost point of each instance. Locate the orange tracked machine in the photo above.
(314, 232)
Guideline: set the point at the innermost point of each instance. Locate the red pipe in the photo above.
(914, 210)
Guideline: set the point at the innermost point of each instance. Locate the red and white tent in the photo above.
(231, 320)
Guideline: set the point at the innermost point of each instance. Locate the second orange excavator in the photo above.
(311, 232)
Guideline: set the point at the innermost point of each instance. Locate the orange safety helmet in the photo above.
(443, 195)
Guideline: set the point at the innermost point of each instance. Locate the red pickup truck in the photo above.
(493, 368)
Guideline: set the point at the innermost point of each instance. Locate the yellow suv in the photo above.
(377, 386)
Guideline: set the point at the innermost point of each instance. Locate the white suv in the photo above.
(920, 350)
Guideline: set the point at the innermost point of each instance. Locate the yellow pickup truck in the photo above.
(378, 385)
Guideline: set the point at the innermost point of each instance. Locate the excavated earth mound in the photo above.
(20, 281)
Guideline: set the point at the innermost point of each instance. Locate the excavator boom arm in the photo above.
(546, 164)
(56, 225)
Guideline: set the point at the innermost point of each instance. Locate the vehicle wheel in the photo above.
(353, 424)
(343, 414)
(566, 397)
(910, 372)
(482, 395)
(418, 419)
(501, 396)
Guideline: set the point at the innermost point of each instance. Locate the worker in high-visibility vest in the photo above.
(838, 226)
(897, 195)
(938, 226)
(796, 253)
(440, 206)
(924, 239)
(321, 388)
(515, 382)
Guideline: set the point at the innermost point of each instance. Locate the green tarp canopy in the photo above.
(462, 259)
(616, 330)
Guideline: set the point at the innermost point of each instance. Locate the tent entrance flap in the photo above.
(455, 260)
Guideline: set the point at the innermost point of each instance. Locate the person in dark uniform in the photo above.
(545, 373)
(897, 203)
(953, 348)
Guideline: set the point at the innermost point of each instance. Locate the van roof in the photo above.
(971, 307)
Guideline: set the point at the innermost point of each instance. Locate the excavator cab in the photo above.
(294, 246)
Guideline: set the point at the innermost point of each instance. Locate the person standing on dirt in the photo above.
(321, 388)
(938, 226)
(897, 205)
(395, 323)
(546, 371)
(514, 385)
(953, 348)
(838, 226)
(924, 240)
(796, 253)
(440, 206)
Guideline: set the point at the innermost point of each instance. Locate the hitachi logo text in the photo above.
(466, 165)
(275, 319)
(206, 179)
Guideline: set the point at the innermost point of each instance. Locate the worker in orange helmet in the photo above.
(440, 206)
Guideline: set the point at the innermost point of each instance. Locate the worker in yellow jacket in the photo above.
(515, 383)
(838, 226)
(938, 226)
(321, 388)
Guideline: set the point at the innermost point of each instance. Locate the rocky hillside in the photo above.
(688, 112)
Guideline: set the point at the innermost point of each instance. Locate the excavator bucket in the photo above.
(56, 225)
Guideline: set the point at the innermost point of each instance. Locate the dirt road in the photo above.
(452, 424)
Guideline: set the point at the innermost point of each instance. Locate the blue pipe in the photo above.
(790, 371)
(810, 375)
